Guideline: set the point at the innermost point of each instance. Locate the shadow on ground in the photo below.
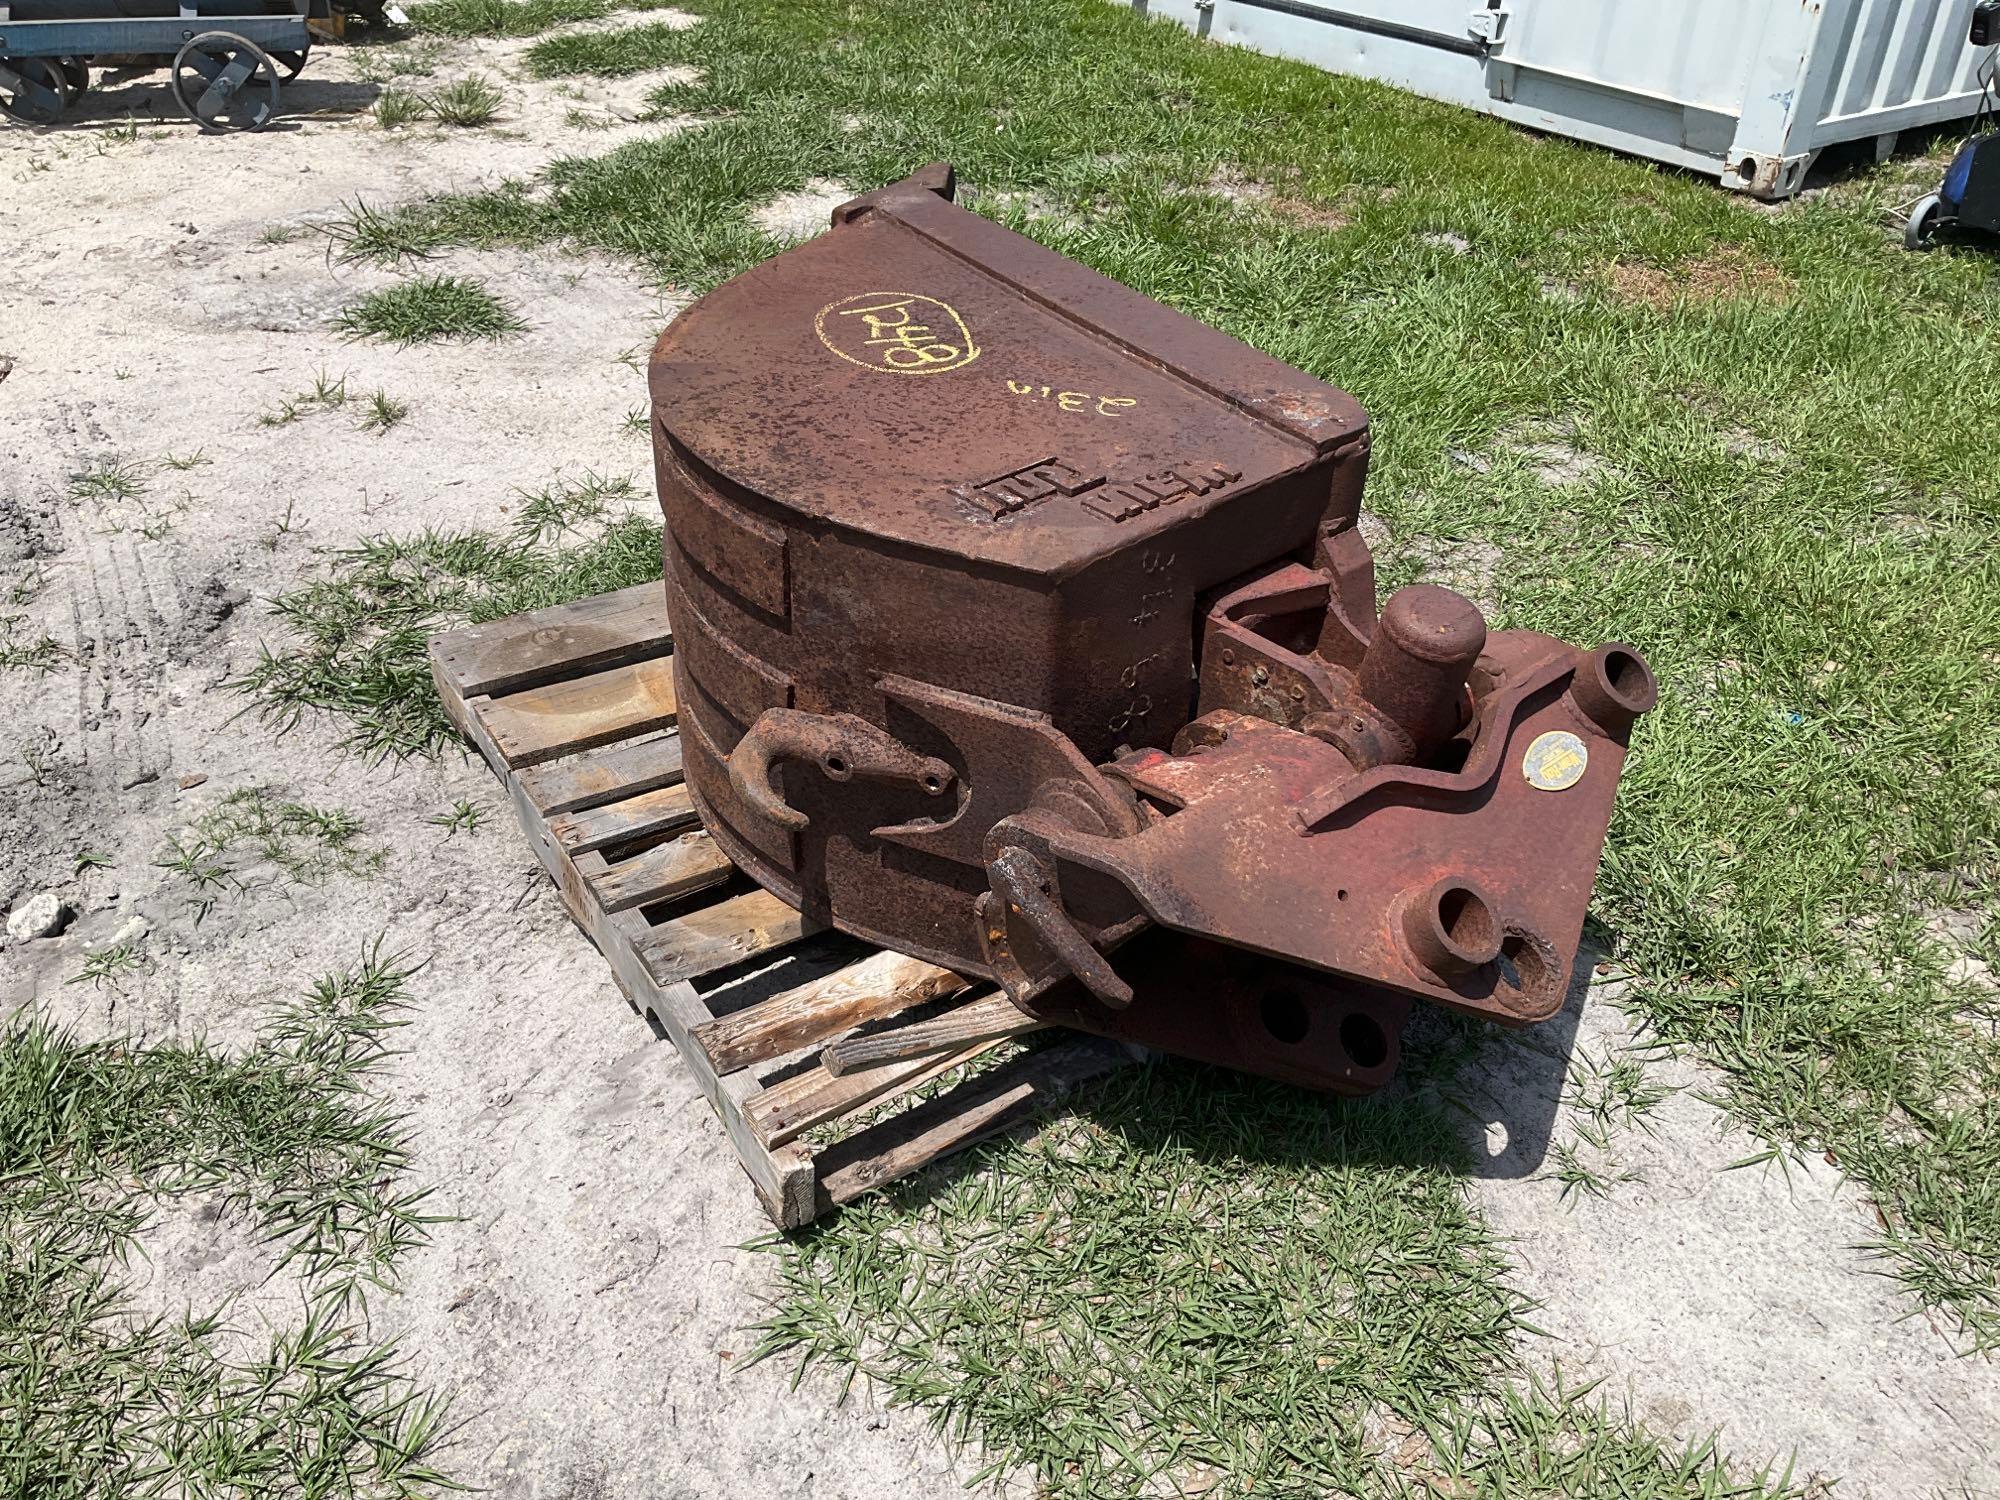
(122, 97)
(1506, 1097)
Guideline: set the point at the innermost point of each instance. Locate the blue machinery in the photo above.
(226, 56)
(1969, 196)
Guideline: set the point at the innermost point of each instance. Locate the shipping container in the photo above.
(1748, 90)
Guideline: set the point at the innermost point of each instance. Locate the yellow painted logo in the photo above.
(1555, 762)
(904, 333)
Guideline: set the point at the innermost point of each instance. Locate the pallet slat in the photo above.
(564, 640)
(608, 773)
(540, 723)
(787, 1110)
(809, 1099)
(880, 985)
(698, 943)
(976, 1109)
(666, 872)
(665, 809)
(988, 1020)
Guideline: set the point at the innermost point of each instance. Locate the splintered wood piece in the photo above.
(564, 640)
(977, 1108)
(556, 718)
(609, 773)
(695, 943)
(879, 985)
(665, 872)
(661, 810)
(982, 1021)
(789, 1108)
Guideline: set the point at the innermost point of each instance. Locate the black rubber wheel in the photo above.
(76, 76)
(291, 64)
(1920, 230)
(223, 82)
(33, 90)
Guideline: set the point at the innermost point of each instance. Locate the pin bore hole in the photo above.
(1466, 920)
(1364, 1041)
(1285, 1017)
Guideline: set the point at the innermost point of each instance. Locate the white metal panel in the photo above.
(1748, 89)
(1420, 68)
(1443, 18)
(1894, 54)
(1696, 52)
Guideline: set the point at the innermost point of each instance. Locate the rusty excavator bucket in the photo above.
(1023, 625)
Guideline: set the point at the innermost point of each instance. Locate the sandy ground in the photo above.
(586, 1310)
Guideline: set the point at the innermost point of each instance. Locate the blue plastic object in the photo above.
(1958, 175)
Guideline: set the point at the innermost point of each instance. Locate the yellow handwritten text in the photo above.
(902, 333)
(1103, 406)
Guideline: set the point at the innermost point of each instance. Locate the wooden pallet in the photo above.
(812, 1048)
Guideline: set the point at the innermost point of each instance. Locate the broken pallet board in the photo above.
(573, 709)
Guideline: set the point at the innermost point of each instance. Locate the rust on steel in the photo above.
(1023, 625)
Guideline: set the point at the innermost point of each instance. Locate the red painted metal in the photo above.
(1022, 624)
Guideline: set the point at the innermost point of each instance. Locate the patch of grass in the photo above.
(1615, 1092)
(40, 654)
(27, 585)
(182, 462)
(149, 517)
(1586, 1165)
(328, 393)
(109, 481)
(610, 54)
(283, 526)
(110, 965)
(569, 505)
(413, 231)
(429, 308)
(1541, 1438)
(252, 837)
(357, 637)
(988, 1297)
(158, 524)
(384, 412)
(500, 18)
(395, 108)
(284, 1136)
(463, 816)
(1606, 1096)
(469, 102)
(42, 759)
